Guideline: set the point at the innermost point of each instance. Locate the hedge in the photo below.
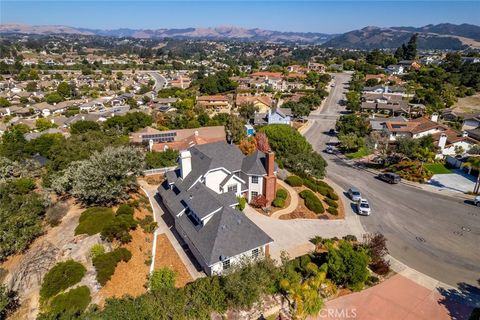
(282, 194)
(60, 277)
(106, 263)
(332, 195)
(331, 203)
(311, 201)
(323, 184)
(93, 220)
(71, 303)
(310, 184)
(294, 181)
(332, 210)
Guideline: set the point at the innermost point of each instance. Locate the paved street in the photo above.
(435, 234)
(160, 80)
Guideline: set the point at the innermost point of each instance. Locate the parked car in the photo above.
(354, 194)
(330, 149)
(476, 201)
(363, 207)
(390, 177)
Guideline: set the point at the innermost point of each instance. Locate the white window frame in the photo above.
(232, 188)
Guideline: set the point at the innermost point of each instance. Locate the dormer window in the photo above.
(232, 188)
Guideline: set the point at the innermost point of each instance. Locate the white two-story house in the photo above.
(201, 196)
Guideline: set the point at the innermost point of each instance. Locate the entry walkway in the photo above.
(161, 218)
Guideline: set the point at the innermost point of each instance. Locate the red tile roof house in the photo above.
(177, 139)
(217, 103)
(444, 137)
(201, 196)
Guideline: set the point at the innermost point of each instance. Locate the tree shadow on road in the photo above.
(462, 301)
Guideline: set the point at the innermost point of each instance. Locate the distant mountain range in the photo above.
(440, 36)
(217, 33)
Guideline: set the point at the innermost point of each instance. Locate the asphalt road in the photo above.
(160, 80)
(435, 234)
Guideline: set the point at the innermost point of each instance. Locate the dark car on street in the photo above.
(389, 177)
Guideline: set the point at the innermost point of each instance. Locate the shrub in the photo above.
(163, 278)
(331, 203)
(294, 181)
(377, 250)
(332, 195)
(55, 213)
(106, 263)
(60, 277)
(119, 228)
(259, 201)
(323, 191)
(148, 225)
(350, 237)
(242, 202)
(347, 266)
(96, 250)
(125, 209)
(278, 203)
(311, 201)
(332, 210)
(316, 240)
(8, 302)
(310, 184)
(24, 185)
(282, 194)
(323, 184)
(69, 304)
(93, 220)
(372, 280)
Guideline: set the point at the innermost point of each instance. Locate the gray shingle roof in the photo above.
(228, 233)
(254, 164)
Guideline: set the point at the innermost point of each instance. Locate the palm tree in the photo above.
(424, 155)
(474, 163)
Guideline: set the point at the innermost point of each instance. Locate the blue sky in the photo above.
(314, 16)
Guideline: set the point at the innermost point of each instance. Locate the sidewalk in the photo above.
(151, 191)
(421, 186)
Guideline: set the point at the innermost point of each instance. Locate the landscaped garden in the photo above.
(437, 168)
(317, 200)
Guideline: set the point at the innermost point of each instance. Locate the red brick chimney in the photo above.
(270, 181)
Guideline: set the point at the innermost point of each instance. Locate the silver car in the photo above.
(363, 207)
(354, 194)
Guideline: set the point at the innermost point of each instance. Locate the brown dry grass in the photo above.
(154, 179)
(130, 277)
(468, 104)
(166, 256)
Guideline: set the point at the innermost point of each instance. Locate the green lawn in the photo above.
(362, 152)
(437, 168)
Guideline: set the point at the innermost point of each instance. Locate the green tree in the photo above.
(83, 126)
(64, 90)
(53, 98)
(474, 163)
(163, 159)
(234, 129)
(347, 266)
(105, 178)
(247, 111)
(43, 124)
(411, 52)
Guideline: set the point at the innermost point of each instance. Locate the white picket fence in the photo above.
(150, 172)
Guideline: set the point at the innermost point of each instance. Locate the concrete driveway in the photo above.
(456, 181)
(399, 298)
